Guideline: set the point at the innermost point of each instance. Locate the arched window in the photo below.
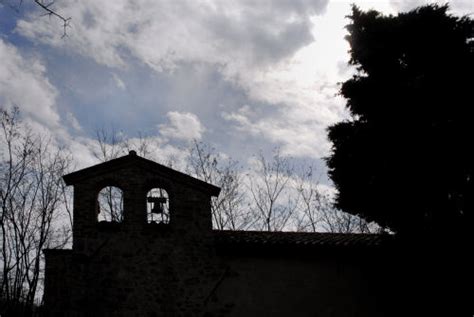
(110, 204)
(158, 206)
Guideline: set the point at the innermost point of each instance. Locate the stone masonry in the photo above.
(185, 268)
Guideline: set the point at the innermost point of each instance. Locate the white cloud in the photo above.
(264, 47)
(299, 133)
(72, 121)
(118, 81)
(303, 90)
(286, 54)
(458, 7)
(182, 126)
(23, 83)
(235, 35)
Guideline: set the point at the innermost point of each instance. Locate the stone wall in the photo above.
(313, 283)
(155, 272)
(135, 268)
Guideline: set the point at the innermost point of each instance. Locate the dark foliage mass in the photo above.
(405, 158)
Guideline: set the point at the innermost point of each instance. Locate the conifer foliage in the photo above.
(404, 159)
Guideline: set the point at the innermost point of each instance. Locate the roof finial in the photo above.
(132, 152)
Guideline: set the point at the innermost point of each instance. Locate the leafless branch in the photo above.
(227, 212)
(47, 7)
(31, 201)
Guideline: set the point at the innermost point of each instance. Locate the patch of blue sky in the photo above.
(136, 99)
(10, 13)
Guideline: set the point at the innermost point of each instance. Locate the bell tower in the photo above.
(145, 237)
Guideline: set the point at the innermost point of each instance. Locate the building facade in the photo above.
(162, 257)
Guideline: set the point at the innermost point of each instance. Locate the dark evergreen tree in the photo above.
(405, 159)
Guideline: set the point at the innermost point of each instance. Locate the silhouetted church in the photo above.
(177, 265)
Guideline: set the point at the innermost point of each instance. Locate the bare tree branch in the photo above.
(31, 201)
(50, 12)
(270, 191)
(227, 212)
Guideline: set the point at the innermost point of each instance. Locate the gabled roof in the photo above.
(132, 159)
(296, 240)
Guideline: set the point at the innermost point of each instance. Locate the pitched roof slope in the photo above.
(133, 159)
(297, 239)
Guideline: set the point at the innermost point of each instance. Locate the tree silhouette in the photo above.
(33, 210)
(404, 159)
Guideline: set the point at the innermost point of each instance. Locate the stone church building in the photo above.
(162, 258)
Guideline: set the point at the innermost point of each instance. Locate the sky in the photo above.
(244, 76)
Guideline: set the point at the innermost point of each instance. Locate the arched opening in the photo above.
(110, 204)
(158, 206)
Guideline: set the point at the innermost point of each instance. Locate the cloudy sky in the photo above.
(243, 76)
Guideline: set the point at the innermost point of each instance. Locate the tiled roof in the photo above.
(296, 239)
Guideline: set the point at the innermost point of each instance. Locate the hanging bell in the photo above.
(157, 208)
(158, 203)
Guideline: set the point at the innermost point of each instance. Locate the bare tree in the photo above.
(227, 212)
(312, 201)
(48, 10)
(111, 144)
(274, 196)
(270, 186)
(110, 204)
(47, 7)
(317, 211)
(335, 220)
(142, 144)
(31, 196)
